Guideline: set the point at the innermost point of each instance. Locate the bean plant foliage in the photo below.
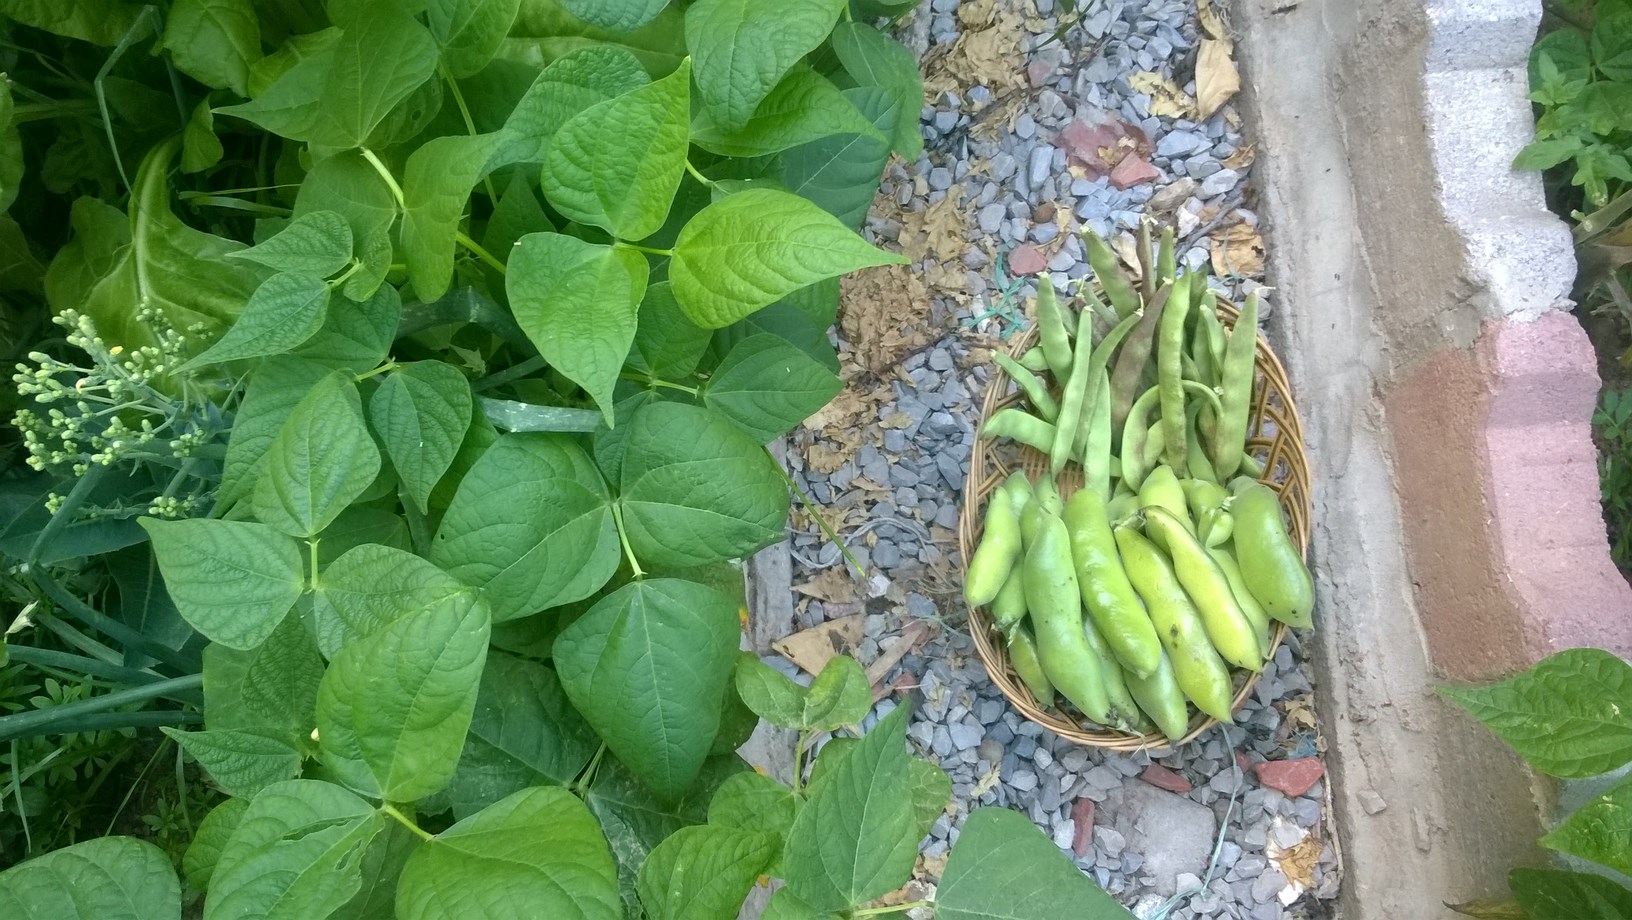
(415, 369)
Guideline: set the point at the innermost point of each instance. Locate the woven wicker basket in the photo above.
(1275, 438)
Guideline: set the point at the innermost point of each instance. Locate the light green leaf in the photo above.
(766, 387)
(346, 184)
(616, 15)
(635, 822)
(578, 302)
(930, 789)
(1003, 868)
(1600, 831)
(380, 60)
(524, 733)
(316, 243)
(214, 41)
(100, 22)
(295, 854)
(404, 693)
(516, 214)
(275, 387)
(371, 586)
(667, 344)
(840, 174)
(200, 148)
(233, 580)
(242, 762)
(355, 336)
(1545, 154)
(421, 413)
(531, 526)
(876, 59)
(805, 106)
(703, 873)
(1550, 893)
(1569, 716)
(291, 103)
(742, 49)
(537, 853)
(469, 32)
(571, 84)
(785, 906)
(756, 247)
(618, 163)
(695, 489)
(358, 526)
(435, 187)
(270, 689)
(374, 255)
(321, 460)
(752, 801)
(198, 864)
(839, 696)
(648, 666)
(109, 878)
(286, 310)
(855, 838)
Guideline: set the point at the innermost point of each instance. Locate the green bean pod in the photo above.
(1135, 429)
(1033, 360)
(1240, 352)
(1227, 625)
(1009, 606)
(1047, 492)
(1096, 451)
(1129, 369)
(1118, 289)
(1051, 329)
(1019, 426)
(1167, 261)
(1202, 496)
(1161, 490)
(1036, 392)
(1123, 504)
(1208, 362)
(1147, 261)
(1055, 605)
(1271, 566)
(1170, 379)
(1023, 658)
(1256, 615)
(1200, 466)
(1124, 712)
(1215, 527)
(1106, 593)
(1160, 698)
(1251, 466)
(1071, 399)
(1095, 371)
(995, 556)
(1199, 671)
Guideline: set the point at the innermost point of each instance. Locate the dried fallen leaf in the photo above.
(911, 635)
(1241, 158)
(1298, 863)
(1166, 97)
(831, 586)
(811, 649)
(823, 459)
(1238, 251)
(1216, 77)
(1212, 23)
(987, 783)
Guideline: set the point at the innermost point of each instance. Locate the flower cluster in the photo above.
(116, 410)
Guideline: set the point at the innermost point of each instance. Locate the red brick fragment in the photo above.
(1163, 778)
(1082, 812)
(1133, 171)
(1291, 777)
(1027, 260)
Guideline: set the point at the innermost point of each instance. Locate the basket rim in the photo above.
(1285, 451)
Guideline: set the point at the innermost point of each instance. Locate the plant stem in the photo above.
(406, 821)
(700, 177)
(481, 253)
(389, 365)
(513, 372)
(821, 522)
(470, 123)
(651, 381)
(335, 283)
(311, 578)
(581, 785)
(893, 908)
(108, 626)
(65, 512)
(390, 180)
(623, 537)
(665, 253)
(43, 721)
(799, 761)
(47, 658)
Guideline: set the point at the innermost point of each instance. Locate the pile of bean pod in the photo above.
(1176, 551)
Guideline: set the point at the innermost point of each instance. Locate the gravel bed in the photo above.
(997, 197)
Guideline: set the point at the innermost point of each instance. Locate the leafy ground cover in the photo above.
(392, 386)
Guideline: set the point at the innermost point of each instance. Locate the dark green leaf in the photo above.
(286, 310)
(1600, 831)
(766, 387)
(233, 580)
(200, 148)
(531, 525)
(322, 459)
(241, 761)
(667, 344)
(372, 586)
(1546, 894)
(214, 41)
(1612, 44)
(804, 107)
(198, 864)
(355, 336)
(470, 32)
(271, 689)
(435, 188)
(421, 412)
(1570, 715)
(144, 604)
(875, 59)
(348, 185)
(382, 57)
(315, 243)
(274, 390)
(1570, 55)
(742, 48)
(703, 873)
(109, 878)
(648, 666)
(839, 696)
(1545, 154)
(695, 489)
(516, 214)
(100, 22)
(617, 15)
(571, 84)
(840, 174)
(1003, 868)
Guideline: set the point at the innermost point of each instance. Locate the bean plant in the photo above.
(403, 436)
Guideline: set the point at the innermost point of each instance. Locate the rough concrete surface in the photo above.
(1383, 289)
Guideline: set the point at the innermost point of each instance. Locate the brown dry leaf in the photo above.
(930, 866)
(831, 586)
(825, 460)
(896, 420)
(1299, 862)
(813, 648)
(1127, 250)
(1216, 77)
(843, 414)
(1301, 713)
(1211, 22)
(881, 315)
(986, 783)
(1242, 157)
(977, 14)
(1238, 251)
(913, 634)
(1166, 97)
